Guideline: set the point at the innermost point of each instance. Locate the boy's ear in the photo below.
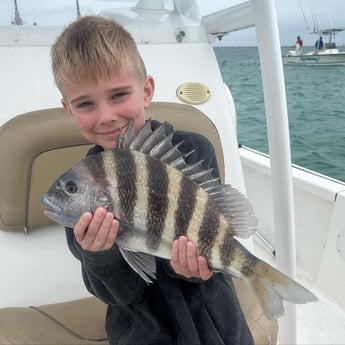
(149, 89)
(66, 106)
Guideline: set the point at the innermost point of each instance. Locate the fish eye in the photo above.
(71, 187)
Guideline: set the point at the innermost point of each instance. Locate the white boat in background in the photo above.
(300, 212)
(328, 56)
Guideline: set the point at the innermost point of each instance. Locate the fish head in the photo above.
(75, 192)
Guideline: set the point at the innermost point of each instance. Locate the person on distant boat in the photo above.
(299, 45)
(319, 44)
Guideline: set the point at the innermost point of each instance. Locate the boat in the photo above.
(300, 213)
(328, 56)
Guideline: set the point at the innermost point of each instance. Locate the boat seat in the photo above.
(28, 167)
(68, 323)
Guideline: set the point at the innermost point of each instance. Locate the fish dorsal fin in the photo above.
(236, 209)
(158, 143)
(130, 140)
(146, 140)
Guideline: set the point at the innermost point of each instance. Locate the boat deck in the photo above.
(313, 322)
(313, 319)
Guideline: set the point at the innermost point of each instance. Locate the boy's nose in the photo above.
(106, 114)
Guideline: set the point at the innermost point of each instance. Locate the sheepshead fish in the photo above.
(158, 197)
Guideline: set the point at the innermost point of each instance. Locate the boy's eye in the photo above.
(84, 105)
(118, 95)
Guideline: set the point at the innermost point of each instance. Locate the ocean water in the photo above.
(316, 109)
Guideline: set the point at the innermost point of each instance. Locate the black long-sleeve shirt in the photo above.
(172, 310)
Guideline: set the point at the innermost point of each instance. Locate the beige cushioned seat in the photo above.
(69, 323)
(49, 144)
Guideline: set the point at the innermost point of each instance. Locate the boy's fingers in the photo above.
(82, 226)
(182, 256)
(192, 259)
(204, 270)
(111, 238)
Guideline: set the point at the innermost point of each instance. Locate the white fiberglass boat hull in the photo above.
(315, 59)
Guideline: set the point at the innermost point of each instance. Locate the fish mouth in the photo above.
(56, 213)
(49, 207)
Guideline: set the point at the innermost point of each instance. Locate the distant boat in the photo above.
(330, 55)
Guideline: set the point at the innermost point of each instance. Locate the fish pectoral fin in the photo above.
(143, 264)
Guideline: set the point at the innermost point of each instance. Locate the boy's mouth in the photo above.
(111, 133)
(114, 132)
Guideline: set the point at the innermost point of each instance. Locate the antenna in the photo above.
(78, 10)
(316, 29)
(17, 19)
(304, 17)
(330, 19)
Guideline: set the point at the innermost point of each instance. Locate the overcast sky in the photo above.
(293, 16)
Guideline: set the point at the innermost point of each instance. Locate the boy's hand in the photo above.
(98, 232)
(186, 261)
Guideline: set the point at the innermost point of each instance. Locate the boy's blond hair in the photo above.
(91, 48)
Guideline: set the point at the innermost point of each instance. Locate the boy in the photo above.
(104, 84)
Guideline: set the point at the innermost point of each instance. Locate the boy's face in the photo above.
(103, 109)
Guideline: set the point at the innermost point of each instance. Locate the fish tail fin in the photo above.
(272, 287)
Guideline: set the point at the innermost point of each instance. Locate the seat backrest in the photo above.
(39, 146)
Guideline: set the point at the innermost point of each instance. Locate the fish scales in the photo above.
(145, 203)
(171, 224)
(158, 200)
(236, 258)
(195, 214)
(141, 182)
(97, 170)
(209, 230)
(126, 173)
(196, 217)
(157, 197)
(186, 200)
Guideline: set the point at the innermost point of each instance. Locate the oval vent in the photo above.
(193, 93)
